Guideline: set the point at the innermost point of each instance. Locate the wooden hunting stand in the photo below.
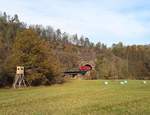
(19, 78)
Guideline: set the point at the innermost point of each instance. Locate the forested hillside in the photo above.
(46, 53)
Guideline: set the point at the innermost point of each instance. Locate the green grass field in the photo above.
(78, 97)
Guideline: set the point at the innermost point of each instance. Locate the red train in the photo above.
(81, 70)
(85, 68)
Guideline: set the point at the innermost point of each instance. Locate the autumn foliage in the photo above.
(46, 53)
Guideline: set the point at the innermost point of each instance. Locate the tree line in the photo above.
(125, 62)
(46, 53)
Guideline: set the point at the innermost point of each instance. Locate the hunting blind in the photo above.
(19, 77)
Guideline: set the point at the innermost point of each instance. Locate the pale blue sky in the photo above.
(107, 21)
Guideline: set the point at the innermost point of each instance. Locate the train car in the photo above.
(81, 70)
(86, 67)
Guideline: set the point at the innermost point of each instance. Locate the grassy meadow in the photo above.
(78, 97)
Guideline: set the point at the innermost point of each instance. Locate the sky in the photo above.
(106, 21)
